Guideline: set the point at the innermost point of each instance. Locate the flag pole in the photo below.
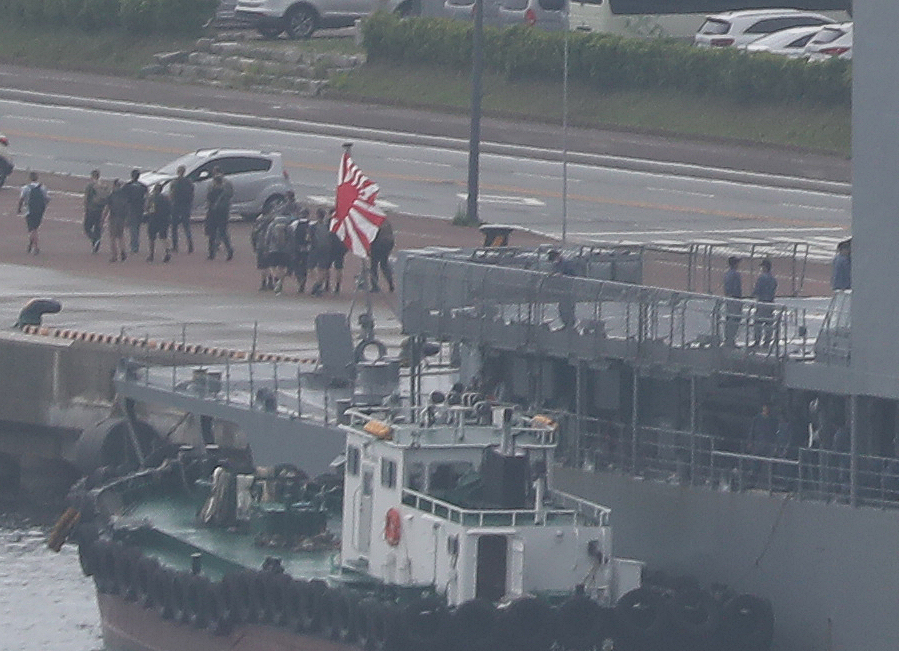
(363, 283)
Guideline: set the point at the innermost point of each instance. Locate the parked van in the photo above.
(550, 15)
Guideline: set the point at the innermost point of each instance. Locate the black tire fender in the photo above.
(694, 615)
(363, 616)
(424, 623)
(583, 624)
(343, 619)
(310, 606)
(276, 587)
(527, 624)
(474, 626)
(144, 578)
(178, 599)
(640, 617)
(747, 623)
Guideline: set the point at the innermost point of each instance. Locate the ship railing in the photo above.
(580, 318)
(468, 517)
(728, 463)
(456, 418)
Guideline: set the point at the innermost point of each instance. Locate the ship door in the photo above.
(365, 509)
(490, 582)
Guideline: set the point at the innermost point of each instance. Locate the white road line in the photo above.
(705, 195)
(30, 118)
(495, 198)
(808, 207)
(173, 134)
(418, 162)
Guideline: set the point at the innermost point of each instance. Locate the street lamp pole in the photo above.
(565, 140)
(477, 64)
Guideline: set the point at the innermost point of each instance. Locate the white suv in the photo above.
(258, 177)
(736, 28)
(300, 18)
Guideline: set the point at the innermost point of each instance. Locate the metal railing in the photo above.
(504, 517)
(696, 459)
(523, 310)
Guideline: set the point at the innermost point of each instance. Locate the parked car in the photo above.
(787, 42)
(259, 179)
(736, 28)
(551, 15)
(300, 18)
(831, 41)
(5, 160)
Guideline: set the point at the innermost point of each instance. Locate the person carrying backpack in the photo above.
(96, 194)
(35, 196)
(279, 244)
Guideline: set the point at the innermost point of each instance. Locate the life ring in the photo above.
(371, 350)
(393, 527)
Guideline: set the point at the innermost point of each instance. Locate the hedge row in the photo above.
(137, 16)
(605, 61)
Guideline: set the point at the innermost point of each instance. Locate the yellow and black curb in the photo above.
(169, 346)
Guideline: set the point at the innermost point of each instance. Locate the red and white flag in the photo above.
(356, 219)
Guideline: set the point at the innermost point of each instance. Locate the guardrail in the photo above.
(503, 517)
(697, 459)
(583, 318)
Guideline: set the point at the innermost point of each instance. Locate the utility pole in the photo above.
(474, 142)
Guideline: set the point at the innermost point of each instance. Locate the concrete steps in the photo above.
(253, 66)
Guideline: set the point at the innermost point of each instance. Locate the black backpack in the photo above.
(37, 202)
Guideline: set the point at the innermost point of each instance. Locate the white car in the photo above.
(736, 28)
(258, 177)
(788, 42)
(831, 41)
(300, 18)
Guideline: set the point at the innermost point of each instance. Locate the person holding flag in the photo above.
(356, 218)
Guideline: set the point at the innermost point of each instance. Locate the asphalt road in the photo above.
(605, 201)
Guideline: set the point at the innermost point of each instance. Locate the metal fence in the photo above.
(518, 309)
(697, 459)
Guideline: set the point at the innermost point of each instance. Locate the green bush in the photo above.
(611, 62)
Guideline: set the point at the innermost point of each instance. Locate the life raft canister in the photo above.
(392, 527)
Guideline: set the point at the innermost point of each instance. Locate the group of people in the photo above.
(287, 242)
(764, 291)
(134, 206)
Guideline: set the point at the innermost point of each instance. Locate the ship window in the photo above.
(388, 473)
(352, 460)
(415, 476)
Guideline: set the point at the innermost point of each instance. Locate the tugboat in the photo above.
(443, 531)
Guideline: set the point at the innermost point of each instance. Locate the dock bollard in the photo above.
(195, 563)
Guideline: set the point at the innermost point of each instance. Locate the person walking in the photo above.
(279, 243)
(35, 196)
(338, 255)
(136, 194)
(320, 252)
(733, 289)
(116, 216)
(380, 250)
(300, 258)
(764, 292)
(159, 217)
(260, 247)
(95, 196)
(218, 209)
(841, 276)
(182, 207)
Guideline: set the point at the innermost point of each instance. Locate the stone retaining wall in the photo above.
(253, 65)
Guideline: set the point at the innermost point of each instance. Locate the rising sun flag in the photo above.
(356, 218)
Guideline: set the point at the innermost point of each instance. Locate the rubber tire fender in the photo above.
(126, 559)
(695, 617)
(747, 623)
(385, 628)
(178, 596)
(424, 623)
(640, 618)
(162, 593)
(87, 556)
(473, 626)
(363, 615)
(310, 607)
(235, 591)
(104, 574)
(197, 600)
(276, 587)
(144, 578)
(527, 624)
(582, 624)
(220, 622)
(343, 616)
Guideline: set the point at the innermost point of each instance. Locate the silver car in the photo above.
(300, 18)
(258, 177)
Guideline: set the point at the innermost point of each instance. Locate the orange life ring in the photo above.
(392, 527)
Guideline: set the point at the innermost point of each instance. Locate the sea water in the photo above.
(46, 603)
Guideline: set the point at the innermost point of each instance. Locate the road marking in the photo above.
(30, 118)
(173, 134)
(496, 198)
(808, 207)
(687, 192)
(380, 203)
(419, 162)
